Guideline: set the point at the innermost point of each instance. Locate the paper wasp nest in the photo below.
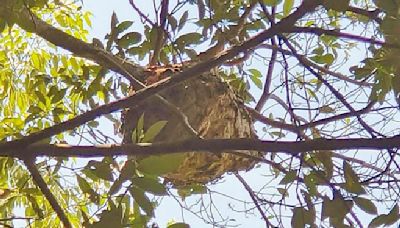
(213, 110)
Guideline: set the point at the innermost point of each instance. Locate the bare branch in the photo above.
(254, 197)
(336, 33)
(318, 67)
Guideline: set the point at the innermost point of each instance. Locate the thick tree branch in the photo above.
(281, 27)
(211, 145)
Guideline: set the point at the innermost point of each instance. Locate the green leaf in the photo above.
(365, 205)
(101, 170)
(87, 189)
(336, 209)
(387, 220)
(396, 84)
(183, 19)
(153, 131)
(138, 131)
(129, 39)
(326, 109)
(123, 26)
(301, 217)
(256, 81)
(83, 184)
(377, 221)
(179, 225)
(360, 73)
(110, 218)
(172, 21)
(323, 59)
(162, 164)
(40, 97)
(2, 25)
(256, 73)
(150, 185)
(186, 191)
(393, 216)
(272, 2)
(352, 183)
(289, 177)
(58, 96)
(142, 200)
(34, 110)
(338, 5)
(319, 50)
(188, 39)
(36, 61)
(287, 7)
(114, 20)
(255, 77)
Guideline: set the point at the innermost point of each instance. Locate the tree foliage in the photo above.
(320, 78)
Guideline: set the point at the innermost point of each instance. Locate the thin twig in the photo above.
(254, 198)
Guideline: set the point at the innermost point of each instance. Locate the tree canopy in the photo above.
(318, 80)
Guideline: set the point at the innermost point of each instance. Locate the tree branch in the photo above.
(336, 33)
(38, 179)
(335, 92)
(254, 198)
(211, 145)
(373, 14)
(318, 67)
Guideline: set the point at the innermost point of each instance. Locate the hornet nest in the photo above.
(212, 109)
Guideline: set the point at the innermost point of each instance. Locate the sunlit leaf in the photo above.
(287, 7)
